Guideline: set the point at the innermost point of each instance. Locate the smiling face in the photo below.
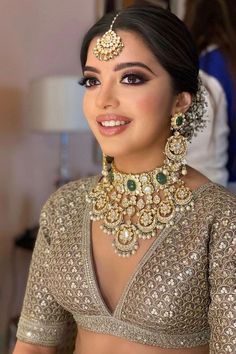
(128, 104)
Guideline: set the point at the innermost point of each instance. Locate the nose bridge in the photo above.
(107, 95)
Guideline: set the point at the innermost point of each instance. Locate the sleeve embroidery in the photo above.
(222, 277)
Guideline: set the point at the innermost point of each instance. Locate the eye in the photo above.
(133, 79)
(89, 81)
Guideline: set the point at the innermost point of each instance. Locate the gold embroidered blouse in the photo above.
(182, 294)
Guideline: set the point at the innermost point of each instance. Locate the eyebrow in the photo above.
(120, 67)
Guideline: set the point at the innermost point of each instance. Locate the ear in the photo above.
(182, 102)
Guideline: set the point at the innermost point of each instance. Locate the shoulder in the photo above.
(219, 205)
(66, 204)
(221, 198)
(215, 198)
(78, 187)
(71, 192)
(195, 179)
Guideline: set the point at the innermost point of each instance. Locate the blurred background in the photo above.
(37, 39)
(44, 140)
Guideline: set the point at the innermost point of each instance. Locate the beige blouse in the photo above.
(182, 294)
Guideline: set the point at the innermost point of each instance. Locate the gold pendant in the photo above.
(108, 46)
(126, 241)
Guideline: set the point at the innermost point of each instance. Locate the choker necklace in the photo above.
(136, 206)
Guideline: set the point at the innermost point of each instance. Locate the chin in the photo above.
(117, 153)
(112, 150)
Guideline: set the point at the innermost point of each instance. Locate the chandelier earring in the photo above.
(106, 168)
(176, 146)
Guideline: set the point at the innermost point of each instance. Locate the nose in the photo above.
(107, 97)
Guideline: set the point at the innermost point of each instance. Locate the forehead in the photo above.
(135, 49)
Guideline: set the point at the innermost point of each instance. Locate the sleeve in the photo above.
(43, 321)
(222, 277)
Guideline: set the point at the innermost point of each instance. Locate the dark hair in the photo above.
(213, 22)
(165, 35)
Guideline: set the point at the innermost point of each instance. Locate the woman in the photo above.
(170, 271)
(213, 27)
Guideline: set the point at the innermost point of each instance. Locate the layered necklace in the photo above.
(135, 206)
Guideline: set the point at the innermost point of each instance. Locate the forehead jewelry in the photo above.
(109, 45)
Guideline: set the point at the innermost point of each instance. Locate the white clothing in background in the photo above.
(207, 152)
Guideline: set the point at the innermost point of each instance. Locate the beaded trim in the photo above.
(133, 333)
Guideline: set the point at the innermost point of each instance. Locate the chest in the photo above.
(167, 275)
(113, 273)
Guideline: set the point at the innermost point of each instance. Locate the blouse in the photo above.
(182, 294)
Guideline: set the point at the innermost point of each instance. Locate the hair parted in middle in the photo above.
(165, 35)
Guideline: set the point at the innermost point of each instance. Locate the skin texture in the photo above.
(149, 106)
(26, 348)
(139, 147)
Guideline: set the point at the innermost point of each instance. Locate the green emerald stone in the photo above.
(161, 178)
(179, 121)
(131, 185)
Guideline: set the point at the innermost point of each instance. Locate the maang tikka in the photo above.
(135, 206)
(109, 45)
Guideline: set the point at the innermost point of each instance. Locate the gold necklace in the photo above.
(136, 206)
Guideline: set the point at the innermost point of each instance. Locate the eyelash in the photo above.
(142, 79)
(84, 81)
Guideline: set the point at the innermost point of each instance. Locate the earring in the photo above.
(177, 121)
(106, 167)
(176, 146)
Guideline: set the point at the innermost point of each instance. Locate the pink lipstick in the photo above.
(112, 124)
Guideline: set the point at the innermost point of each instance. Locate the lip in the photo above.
(104, 117)
(110, 131)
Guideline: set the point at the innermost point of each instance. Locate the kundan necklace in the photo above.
(135, 206)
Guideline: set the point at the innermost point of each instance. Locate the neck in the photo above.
(138, 163)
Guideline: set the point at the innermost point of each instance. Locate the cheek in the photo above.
(85, 106)
(148, 103)
(153, 105)
(88, 108)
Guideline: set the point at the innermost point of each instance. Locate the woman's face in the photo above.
(129, 100)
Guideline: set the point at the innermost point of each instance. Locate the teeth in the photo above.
(112, 123)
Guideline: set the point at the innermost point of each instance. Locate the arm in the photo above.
(222, 277)
(27, 348)
(43, 323)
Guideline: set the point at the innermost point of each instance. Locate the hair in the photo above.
(213, 22)
(164, 34)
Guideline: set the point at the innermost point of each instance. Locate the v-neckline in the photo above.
(90, 265)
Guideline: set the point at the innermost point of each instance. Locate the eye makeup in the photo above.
(128, 78)
(134, 78)
(88, 81)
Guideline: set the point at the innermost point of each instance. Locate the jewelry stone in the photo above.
(109, 45)
(131, 206)
(136, 206)
(161, 178)
(131, 185)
